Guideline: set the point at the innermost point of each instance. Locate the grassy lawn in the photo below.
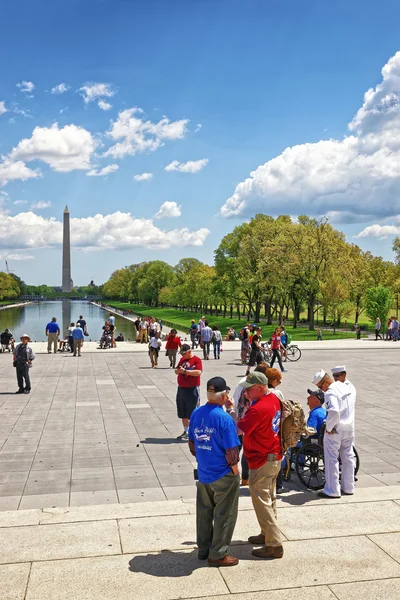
(182, 320)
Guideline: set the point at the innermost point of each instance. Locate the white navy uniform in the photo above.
(339, 402)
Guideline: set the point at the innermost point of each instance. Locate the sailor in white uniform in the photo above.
(339, 435)
(340, 374)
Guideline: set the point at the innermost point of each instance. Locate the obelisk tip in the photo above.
(66, 209)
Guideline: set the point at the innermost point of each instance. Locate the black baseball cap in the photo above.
(184, 348)
(217, 384)
(318, 394)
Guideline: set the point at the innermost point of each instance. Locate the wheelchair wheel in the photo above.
(293, 353)
(356, 463)
(310, 466)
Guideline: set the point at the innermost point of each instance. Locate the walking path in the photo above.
(97, 496)
(347, 549)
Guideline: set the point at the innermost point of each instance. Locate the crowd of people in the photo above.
(72, 340)
(251, 423)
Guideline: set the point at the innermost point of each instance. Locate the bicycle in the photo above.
(293, 352)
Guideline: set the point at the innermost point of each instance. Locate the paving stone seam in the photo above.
(27, 580)
(369, 535)
(73, 441)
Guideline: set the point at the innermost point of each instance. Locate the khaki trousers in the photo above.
(154, 356)
(143, 335)
(52, 338)
(262, 484)
(77, 346)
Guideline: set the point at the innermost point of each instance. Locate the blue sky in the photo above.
(239, 82)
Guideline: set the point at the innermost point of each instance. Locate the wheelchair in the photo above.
(307, 460)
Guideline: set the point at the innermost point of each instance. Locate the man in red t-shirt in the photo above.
(262, 449)
(189, 370)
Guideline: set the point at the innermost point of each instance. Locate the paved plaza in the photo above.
(97, 496)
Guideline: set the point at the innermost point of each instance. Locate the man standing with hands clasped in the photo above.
(189, 370)
(339, 434)
(214, 442)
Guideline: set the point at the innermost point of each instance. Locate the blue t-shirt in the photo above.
(213, 431)
(316, 417)
(111, 320)
(77, 334)
(52, 327)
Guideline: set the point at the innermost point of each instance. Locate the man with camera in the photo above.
(214, 442)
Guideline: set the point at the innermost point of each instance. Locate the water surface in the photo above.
(33, 318)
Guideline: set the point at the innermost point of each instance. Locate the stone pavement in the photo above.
(101, 428)
(346, 549)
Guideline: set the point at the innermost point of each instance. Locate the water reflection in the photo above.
(33, 318)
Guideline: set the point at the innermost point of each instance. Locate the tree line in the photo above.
(270, 268)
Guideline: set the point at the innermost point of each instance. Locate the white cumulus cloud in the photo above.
(11, 170)
(2, 107)
(103, 172)
(117, 230)
(104, 105)
(191, 166)
(168, 209)
(65, 149)
(40, 205)
(143, 177)
(93, 91)
(61, 88)
(7, 256)
(26, 87)
(19, 202)
(357, 176)
(135, 134)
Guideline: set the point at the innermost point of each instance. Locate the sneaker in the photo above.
(268, 552)
(285, 370)
(183, 436)
(20, 391)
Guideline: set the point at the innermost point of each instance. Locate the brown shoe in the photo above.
(244, 482)
(257, 540)
(227, 561)
(268, 552)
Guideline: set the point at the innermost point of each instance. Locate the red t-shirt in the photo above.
(276, 342)
(190, 364)
(173, 343)
(261, 426)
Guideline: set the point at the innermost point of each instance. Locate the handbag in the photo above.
(167, 353)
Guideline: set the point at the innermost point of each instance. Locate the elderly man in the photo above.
(23, 357)
(317, 414)
(189, 370)
(214, 442)
(339, 436)
(262, 449)
(52, 333)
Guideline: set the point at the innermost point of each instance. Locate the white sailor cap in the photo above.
(318, 377)
(339, 369)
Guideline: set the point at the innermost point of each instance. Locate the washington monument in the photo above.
(66, 259)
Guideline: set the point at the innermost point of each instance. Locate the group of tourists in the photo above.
(392, 332)
(251, 336)
(73, 339)
(251, 422)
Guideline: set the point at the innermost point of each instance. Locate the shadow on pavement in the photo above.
(161, 441)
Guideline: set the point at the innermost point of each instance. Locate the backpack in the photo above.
(293, 424)
(288, 338)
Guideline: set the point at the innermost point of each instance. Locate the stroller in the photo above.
(105, 340)
(6, 341)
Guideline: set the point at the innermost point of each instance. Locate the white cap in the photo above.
(318, 377)
(339, 369)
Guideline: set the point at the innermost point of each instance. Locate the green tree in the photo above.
(9, 288)
(378, 302)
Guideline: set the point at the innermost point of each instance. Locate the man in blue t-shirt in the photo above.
(214, 442)
(52, 332)
(317, 415)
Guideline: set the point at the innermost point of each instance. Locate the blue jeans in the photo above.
(217, 348)
(206, 349)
